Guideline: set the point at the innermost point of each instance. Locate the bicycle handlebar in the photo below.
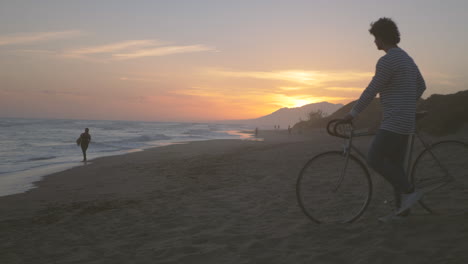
(335, 123)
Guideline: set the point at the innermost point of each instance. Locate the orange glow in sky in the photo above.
(200, 62)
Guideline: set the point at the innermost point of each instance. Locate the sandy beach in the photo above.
(218, 201)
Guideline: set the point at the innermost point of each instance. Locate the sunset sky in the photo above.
(205, 60)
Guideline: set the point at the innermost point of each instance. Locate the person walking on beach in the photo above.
(399, 84)
(83, 141)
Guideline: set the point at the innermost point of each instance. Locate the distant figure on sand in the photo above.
(289, 129)
(256, 131)
(83, 141)
(400, 85)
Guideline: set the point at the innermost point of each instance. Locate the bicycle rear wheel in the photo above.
(325, 195)
(432, 166)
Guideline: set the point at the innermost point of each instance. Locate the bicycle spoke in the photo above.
(326, 195)
(445, 163)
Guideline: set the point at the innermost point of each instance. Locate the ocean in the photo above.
(32, 148)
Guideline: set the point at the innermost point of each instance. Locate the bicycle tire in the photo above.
(315, 188)
(450, 198)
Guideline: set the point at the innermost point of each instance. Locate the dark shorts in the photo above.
(84, 147)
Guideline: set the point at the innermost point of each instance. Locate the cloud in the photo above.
(28, 92)
(26, 38)
(57, 92)
(300, 100)
(286, 88)
(290, 75)
(345, 89)
(289, 88)
(314, 78)
(201, 92)
(36, 51)
(124, 50)
(115, 47)
(442, 79)
(132, 49)
(162, 51)
(132, 79)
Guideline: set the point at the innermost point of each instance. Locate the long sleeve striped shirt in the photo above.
(400, 84)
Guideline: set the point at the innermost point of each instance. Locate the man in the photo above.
(83, 141)
(400, 84)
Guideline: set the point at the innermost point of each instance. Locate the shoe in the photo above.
(408, 200)
(405, 213)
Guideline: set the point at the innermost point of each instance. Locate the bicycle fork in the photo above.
(346, 153)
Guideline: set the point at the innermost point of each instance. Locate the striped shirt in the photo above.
(400, 84)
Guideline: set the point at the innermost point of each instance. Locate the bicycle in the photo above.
(328, 192)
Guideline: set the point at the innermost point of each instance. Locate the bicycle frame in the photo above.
(348, 147)
(347, 151)
(448, 176)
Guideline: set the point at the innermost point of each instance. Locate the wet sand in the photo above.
(218, 201)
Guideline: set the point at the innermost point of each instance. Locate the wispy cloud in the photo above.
(132, 79)
(300, 100)
(115, 47)
(202, 92)
(123, 50)
(442, 79)
(26, 38)
(27, 91)
(58, 92)
(36, 51)
(298, 76)
(289, 88)
(162, 51)
(345, 89)
(133, 49)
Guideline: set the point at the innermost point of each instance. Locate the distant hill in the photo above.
(289, 116)
(370, 117)
(447, 114)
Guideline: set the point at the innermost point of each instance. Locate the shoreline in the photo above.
(24, 180)
(50, 170)
(216, 201)
(21, 181)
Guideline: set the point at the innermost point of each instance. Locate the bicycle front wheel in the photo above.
(331, 190)
(444, 163)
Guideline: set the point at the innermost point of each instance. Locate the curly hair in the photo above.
(386, 30)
